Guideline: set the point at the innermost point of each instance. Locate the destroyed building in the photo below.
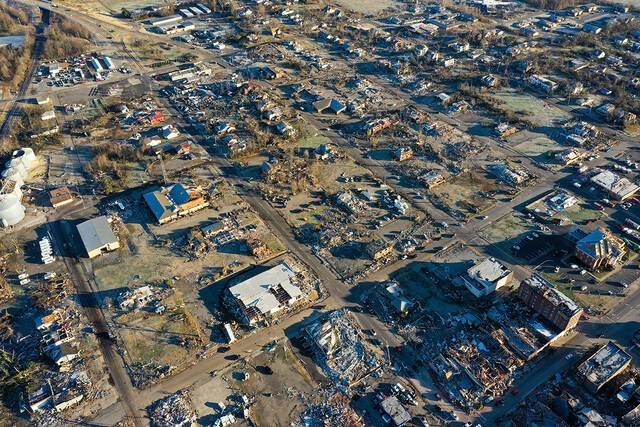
(173, 410)
(394, 409)
(617, 187)
(340, 348)
(603, 366)
(379, 249)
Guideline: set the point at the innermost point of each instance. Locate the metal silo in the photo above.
(11, 210)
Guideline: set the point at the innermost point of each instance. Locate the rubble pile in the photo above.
(143, 374)
(173, 410)
(341, 350)
(335, 410)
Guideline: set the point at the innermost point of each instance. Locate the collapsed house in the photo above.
(173, 410)
(340, 348)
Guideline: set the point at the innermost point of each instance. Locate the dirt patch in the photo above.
(276, 402)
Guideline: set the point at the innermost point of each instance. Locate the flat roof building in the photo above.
(554, 306)
(486, 277)
(262, 296)
(97, 236)
(603, 366)
(617, 187)
(394, 409)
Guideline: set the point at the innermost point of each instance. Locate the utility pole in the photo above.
(164, 172)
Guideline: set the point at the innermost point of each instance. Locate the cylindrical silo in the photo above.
(16, 166)
(26, 155)
(9, 186)
(12, 175)
(11, 210)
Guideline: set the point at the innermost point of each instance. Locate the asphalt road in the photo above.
(61, 231)
(14, 110)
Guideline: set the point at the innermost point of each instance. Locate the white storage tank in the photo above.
(11, 210)
(27, 156)
(12, 175)
(9, 186)
(15, 166)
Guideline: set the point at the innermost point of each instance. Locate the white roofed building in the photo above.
(487, 276)
(261, 297)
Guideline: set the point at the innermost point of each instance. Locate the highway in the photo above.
(14, 110)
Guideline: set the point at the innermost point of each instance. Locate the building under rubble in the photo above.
(340, 348)
(603, 366)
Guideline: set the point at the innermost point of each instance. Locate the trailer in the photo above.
(108, 63)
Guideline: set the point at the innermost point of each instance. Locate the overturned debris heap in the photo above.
(173, 410)
(340, 348)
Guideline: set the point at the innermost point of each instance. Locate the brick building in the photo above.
(551, 304)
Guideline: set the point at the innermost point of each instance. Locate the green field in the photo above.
(532, 108)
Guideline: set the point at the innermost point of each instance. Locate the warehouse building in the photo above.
(97, 236)
(165, 20)
(260, 298)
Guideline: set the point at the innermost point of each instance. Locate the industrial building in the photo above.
(97, 236)
(603, 366)
(108, 63)
(179, 27)
(165, 20)
(259, 298)
(16, 171)
(554, 306)
(173, 202)
(486, 277)
(96, 64)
